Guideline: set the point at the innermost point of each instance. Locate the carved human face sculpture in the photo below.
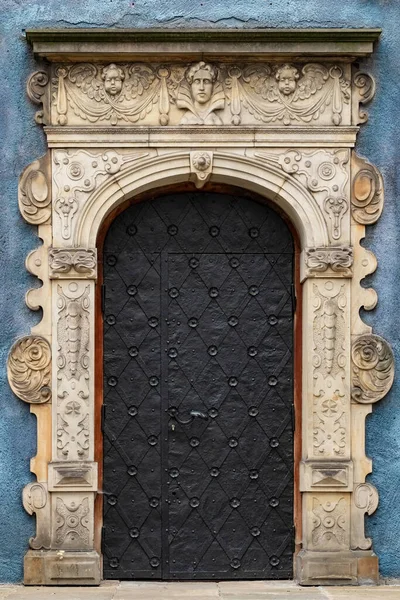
(202, 86)
(287, 80)
(112, 81)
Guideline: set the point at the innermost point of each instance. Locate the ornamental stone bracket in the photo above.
(278, 117)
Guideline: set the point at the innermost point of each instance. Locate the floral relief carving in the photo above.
(267, 93)
(337, 259)
(372, 368)
(73, 331)
(320, 171)
(330, 524)
(77, 174)
(72, 524)
(329, 361)
(36, 500)
(367, 191)
(29, 369)
(34, 191)
(72, 262)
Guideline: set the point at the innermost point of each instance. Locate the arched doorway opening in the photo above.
(198, 414)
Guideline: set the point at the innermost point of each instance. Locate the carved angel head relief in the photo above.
(287, 77)
(201, 94)
(113, 78)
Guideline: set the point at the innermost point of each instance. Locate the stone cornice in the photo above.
(113, 44)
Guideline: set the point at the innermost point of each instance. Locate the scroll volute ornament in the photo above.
(372, 368)
(38, 90)
(34, 191)
(29, 369)
(363, 91)
(367, 191)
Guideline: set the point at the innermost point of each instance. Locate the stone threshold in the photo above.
(226, 590)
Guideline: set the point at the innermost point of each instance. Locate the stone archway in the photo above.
(245, 132)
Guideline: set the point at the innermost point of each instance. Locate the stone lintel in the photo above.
(59, 567)
(130, 44)
(337, 568)
(201, 136)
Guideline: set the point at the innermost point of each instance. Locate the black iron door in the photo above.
(198, 391)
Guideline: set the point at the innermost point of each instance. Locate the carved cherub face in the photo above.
(287, 77)
(113, 77)
(201, 77)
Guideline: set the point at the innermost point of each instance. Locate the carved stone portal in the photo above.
(246, 115)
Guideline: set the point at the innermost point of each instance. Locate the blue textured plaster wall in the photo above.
(23, 141)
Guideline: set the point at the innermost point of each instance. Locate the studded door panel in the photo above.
(198, 392)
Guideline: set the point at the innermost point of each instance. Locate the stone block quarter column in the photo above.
(109, 143)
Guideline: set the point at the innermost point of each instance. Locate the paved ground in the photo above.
(236, 590)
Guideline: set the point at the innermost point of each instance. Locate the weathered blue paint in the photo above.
(23, 142)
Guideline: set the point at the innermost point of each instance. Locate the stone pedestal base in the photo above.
(337, 568)
(59, 567)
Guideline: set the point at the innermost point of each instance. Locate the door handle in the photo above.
(193, 414)
(198, 414)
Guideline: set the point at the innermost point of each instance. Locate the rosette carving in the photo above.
(29, 369)
(373, 368)
(201, 165)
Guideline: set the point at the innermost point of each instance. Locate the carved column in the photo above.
(72, 476)
(326, 468)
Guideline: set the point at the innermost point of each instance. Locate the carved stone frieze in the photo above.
(201, 164)
(73, 263)
(330, 413)
(34, 191)
(363, 91)
(372, 368)
(73, 522)
(36, 500)
(78, 174)
(73, 344)
(367, 191)
(330, 529)
(29, 369)
(38, 91)
(201, 93)
(365, 501)
(332, 261)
